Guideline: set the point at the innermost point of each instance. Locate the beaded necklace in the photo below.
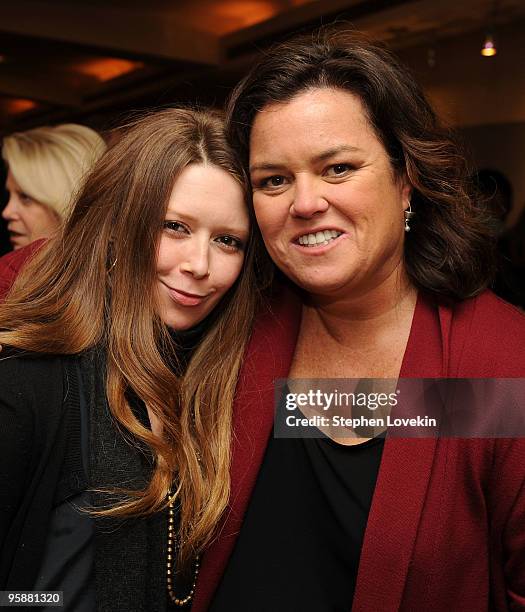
(172, 546)
(186, 340)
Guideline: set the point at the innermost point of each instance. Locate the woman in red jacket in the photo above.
(361, 199)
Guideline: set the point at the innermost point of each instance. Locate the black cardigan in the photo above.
(40, 459)
(40, 466)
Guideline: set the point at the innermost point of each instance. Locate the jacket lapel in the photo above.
(403, 476)
(402, 481)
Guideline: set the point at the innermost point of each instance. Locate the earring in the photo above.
(409, 213)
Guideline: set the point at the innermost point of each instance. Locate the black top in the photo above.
(67, 563)
(299, 546)
(43, 470)
(40, 458)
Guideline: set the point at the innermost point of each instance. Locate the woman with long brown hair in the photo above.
(122, 340)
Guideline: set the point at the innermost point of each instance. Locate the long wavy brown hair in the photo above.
(94, 287)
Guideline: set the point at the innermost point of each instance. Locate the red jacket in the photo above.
(446, 529)
(11, 263)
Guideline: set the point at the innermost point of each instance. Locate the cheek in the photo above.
(167, 255)
(227, 273)
(33, 221)
(26, 218)
(270, 215)
(39, 218)
(369, 205)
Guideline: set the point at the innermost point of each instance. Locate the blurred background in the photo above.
(96, 61)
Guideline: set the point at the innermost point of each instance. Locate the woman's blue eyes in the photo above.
(228, 242)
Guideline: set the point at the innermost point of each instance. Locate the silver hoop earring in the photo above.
(409, 214)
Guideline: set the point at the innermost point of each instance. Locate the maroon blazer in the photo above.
(446, 529)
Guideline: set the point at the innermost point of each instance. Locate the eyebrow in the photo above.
(189, 218)
(170, 212)
(323, 156)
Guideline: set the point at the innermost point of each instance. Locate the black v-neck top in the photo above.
(299, 545)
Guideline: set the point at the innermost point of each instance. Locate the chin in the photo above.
(179, 325)
(183, 321)
(321, 284)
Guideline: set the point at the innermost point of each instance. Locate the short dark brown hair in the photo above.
(450, 248)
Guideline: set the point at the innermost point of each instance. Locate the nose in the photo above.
(196, 260)
(307, 199)
(10, 211)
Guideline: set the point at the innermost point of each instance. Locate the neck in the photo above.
(360, 313)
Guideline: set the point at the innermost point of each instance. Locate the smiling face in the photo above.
(325, 195)
(27, 219)
(202, 245)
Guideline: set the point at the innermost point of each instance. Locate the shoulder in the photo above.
(17, 360)
(14, 260)
(32, 394)
(27, 379)
(491, 334)
(488, 307)
(496, 321)
(11, 263)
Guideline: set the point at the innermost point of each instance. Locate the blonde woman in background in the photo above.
(45, 166)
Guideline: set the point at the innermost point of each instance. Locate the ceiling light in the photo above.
(489, 48)
(20, 105)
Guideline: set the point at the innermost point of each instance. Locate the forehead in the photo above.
(316, 119)
(209, 195)
(11, 181)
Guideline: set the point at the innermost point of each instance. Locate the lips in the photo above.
(15, 236)
(184, 298)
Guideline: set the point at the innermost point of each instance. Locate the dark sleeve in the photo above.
(16, 436)
(31, 455)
